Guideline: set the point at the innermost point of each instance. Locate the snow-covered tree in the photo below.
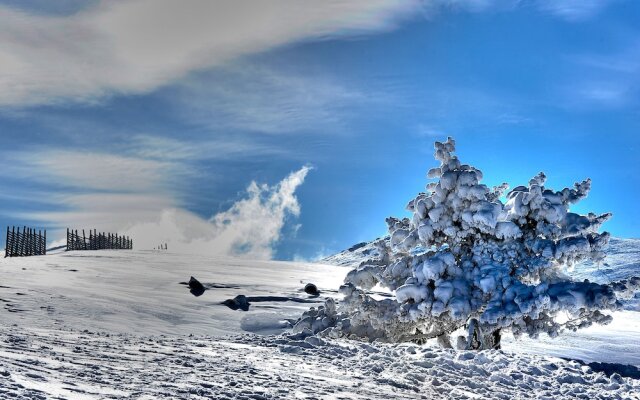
(473, 258)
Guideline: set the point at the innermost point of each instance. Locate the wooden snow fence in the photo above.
(97, 241)
(26, 243)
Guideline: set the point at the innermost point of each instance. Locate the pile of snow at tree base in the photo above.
(120, 324)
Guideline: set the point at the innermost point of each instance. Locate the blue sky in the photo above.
(154, 117)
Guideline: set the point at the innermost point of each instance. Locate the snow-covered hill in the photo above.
(141, 292)
(623, 260)
(114, 324)
(352, 256)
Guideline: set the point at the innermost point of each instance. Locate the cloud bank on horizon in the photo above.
(250, 228)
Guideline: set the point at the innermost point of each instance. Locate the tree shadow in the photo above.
(625, 370)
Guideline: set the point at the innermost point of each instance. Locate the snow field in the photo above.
(96, 325)
(59, 364)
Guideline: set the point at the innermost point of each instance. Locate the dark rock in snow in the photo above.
(239, 302)
(311, 289)
(195, 287)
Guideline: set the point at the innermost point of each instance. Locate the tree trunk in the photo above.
(444, 341)
(479, 339)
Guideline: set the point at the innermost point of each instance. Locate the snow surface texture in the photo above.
(115, 324)
(466, 259)
(39, 364)
(138, 291)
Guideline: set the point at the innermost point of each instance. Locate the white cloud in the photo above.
(265, 100)
(574, 10)
(93, 190)
(604, 93)
(434, 6)
(229, 147)
(103, 211)
(92, 171)
(428, 131)
(249, 228)
(138, 46)
(606, 79)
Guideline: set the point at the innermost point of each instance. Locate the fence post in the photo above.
(19, 244)
(32, 232)
(23, 244)
(22, 240)
(25, 241)
(45, 242)
(14, 247)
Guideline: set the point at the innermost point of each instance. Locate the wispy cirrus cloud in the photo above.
(91, 189)
(93, 170)
(610, 80)
(213, 148)
(140, 45)
(259, 99)
(574, 10)
(83, 52)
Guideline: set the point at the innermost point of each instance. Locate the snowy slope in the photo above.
(131, 291)
(352, 256)
(618, 342)
(112, 324)
(623, 260)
